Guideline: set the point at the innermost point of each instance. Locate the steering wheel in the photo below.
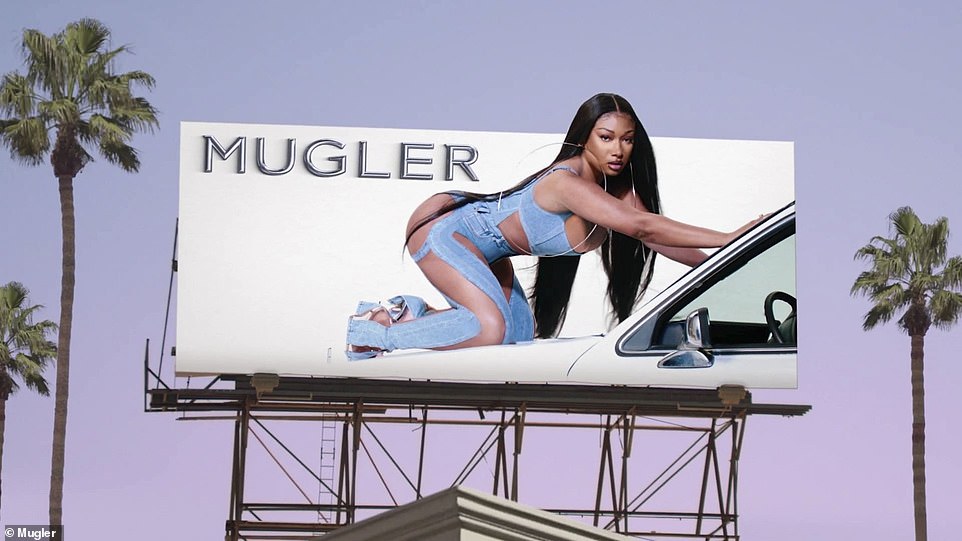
(773, 324)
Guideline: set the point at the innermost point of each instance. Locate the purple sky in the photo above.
(867, 90)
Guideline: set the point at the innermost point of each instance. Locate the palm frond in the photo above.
(905, 221)
(30, 369)
(120, 154)
(101, 64)
(27, 139)
(868, 282)
(106, 128)
(893, 293)
(16, 96)
(139, 77)
(25, 350)
(12, 295)
(63, 111)
(922, 283)
(881, 312)
(946, 308)
(86, 36)
(112, 137)
(952, 273)
(137, 115)
(890, 260)
(938, 240)
(870, 252)
(45, 67)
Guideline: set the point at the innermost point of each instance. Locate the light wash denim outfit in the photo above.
(478, 223)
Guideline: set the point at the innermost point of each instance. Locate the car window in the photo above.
(736, 298)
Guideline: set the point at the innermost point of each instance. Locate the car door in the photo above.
(710, 328)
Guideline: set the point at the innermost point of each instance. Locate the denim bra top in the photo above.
(545, 230)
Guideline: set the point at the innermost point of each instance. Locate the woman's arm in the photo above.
(589, 201)
(685, 256)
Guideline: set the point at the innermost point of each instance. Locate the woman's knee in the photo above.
(492, 328)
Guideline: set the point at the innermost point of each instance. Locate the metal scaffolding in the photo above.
(392, 433)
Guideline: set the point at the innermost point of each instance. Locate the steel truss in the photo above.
(625, 490)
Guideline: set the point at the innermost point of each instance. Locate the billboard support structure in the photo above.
(370, 469)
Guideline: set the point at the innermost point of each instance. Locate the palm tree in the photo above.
(71, 91)
(24, 348)
(911, 276)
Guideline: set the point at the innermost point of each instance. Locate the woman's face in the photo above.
(609, 144)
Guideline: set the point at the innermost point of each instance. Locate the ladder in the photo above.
(325, 494)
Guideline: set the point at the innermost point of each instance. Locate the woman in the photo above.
(601, 191)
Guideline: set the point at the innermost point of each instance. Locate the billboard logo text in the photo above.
(323, 158)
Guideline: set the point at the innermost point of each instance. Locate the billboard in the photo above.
(283, 229)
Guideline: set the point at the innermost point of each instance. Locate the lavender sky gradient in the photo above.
(867, 90)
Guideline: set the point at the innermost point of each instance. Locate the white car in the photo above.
(728, 321)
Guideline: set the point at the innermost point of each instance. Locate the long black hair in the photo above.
(627, 261)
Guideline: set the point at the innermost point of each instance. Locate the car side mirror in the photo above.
(694, 351)
(697, 335)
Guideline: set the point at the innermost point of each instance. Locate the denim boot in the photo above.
(431, 330)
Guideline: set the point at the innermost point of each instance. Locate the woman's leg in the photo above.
(520, 324)
(479, 313)
(474, 318)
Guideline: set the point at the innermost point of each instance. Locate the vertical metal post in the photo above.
(628, 438)
(503, 455)
(245, 431)
(611, 481)
(356, 440)
(605, 453)
(731, 508)
(713, 442)
(704, 479)
(499, 458)
(424, 429)
(519, 417)
(343, 477)
(146, 371)
(231, 527)
(241, 430)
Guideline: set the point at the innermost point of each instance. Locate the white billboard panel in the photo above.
(283, 229)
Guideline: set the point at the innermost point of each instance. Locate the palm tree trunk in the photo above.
(918, 436)
(63, 351)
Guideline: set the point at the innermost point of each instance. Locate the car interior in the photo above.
(750, 302)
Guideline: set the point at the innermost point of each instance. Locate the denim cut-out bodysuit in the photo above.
(545, 230)
(476, 222)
